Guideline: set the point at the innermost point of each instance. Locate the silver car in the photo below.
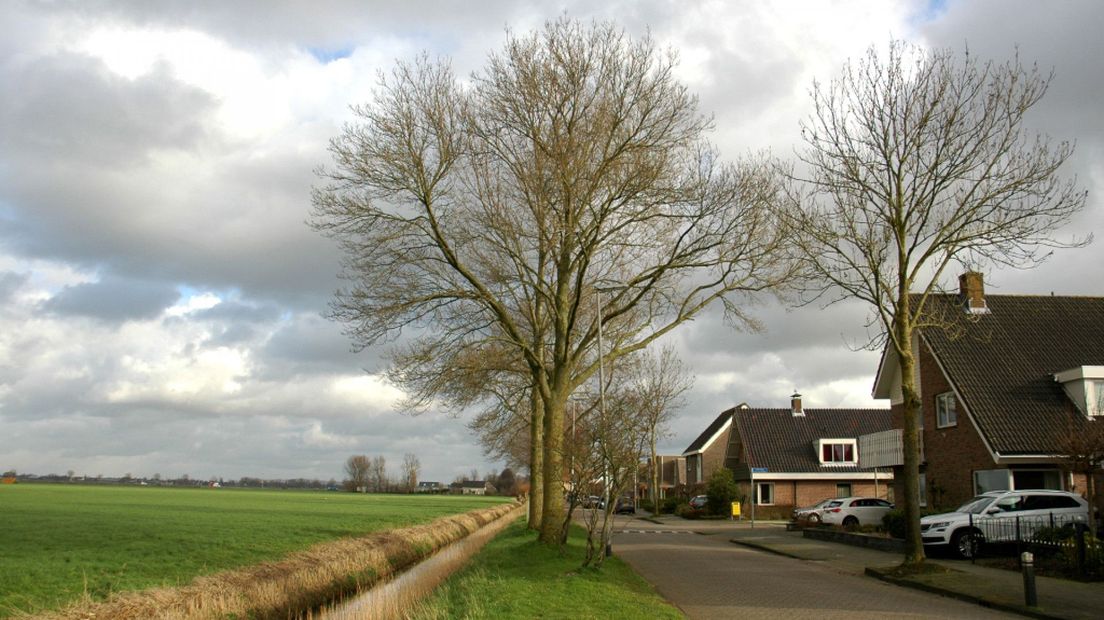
(812, 514)
(855, 511)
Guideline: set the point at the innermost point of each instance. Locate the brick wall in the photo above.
(808, 492)
(953, 453)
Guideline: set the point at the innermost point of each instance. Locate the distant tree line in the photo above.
(184, 480)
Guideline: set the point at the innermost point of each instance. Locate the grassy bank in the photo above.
(61, 542)
(516, 577)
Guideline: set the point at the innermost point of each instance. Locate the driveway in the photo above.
(707, 576)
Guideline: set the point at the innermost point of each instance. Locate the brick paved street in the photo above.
(709, 577)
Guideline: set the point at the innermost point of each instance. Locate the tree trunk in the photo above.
(914, 544)
(536, 460)
(552, 514)
(655, 475)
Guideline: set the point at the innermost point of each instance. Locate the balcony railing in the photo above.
(885, 449)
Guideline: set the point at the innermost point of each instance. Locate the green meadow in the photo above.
(58, 542)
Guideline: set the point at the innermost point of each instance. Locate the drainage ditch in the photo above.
(397, 596)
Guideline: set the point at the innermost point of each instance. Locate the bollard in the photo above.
(609, 548)
(1027, 561)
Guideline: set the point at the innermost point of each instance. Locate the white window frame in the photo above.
(759, 486)
(943, 413)
(821, 443)
(1096, 399)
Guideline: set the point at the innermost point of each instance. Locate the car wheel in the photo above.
(814, 519)
(965, 543)
(850, 522)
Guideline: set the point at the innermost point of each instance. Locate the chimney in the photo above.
(795, 405)
(971, 290)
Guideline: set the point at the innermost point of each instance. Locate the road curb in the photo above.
(880, 574)
(758, 547)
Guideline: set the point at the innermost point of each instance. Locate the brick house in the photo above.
(790, 456)
(1000, 389)
(672, 475)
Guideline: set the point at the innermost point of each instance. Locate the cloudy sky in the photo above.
(161, 298)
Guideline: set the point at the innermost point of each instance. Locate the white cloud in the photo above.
(152, 147)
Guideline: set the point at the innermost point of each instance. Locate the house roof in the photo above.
(784, 443)
(715, 428)
(1003, 363)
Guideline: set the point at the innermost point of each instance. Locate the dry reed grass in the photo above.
(292, 586)
(401, 597)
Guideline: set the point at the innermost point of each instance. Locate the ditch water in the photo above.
(399, 595)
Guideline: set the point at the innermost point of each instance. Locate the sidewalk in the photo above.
(991, 587)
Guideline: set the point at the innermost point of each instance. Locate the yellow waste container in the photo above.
(735, 509)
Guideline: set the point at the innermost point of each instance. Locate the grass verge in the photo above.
(514, 576)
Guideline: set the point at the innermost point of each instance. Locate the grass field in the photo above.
(514, 576)
(60, 541)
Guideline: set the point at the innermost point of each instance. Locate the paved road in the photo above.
(709, 577)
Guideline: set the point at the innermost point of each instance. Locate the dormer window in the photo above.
(1085, 387)
(837, 451)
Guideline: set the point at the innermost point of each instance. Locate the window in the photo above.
(1037, 479)
(1050, 502)
(843, 490)
(945, 414)
(766, 493)
(1097, 398)
(923, 489)
(992, 480)
(839, 451)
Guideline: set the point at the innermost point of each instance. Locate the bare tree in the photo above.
(377, 474)
(492, 211)
(357, 469)
(1083, 447)
(658, 383)
(917, 161)
(411, 467)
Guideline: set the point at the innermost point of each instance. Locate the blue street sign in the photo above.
(759, 470)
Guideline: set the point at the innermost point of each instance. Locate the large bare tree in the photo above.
(357, 469)
(917, 160)
(411, 468)
(491, 209)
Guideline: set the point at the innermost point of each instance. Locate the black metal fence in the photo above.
(1060, 539)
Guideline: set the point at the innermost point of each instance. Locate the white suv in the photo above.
(992, 517)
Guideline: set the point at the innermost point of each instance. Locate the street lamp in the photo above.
(601, 376)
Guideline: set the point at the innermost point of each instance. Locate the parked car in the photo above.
(623, 506)
(853, 511)
(812, 514)
(698, 502)
(591, 501)
(992, 517)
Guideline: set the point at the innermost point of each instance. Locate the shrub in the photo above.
(721, 491)
(686, 511)
(894, 523)
(669, 505)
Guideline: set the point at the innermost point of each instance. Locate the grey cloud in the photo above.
(71, 109)
(311, 344)
(113, 299)
(9, 283)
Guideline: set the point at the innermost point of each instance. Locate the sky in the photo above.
(162, 299)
